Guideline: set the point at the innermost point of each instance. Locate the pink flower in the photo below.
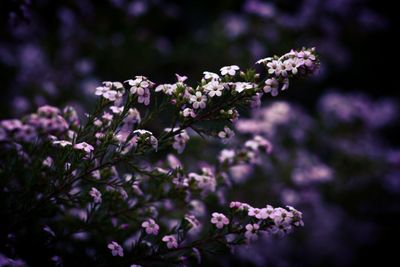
(180, 78)
(198, 100)
(84, 146)
(116, 249)
(188, 112)
(271, 86)
(235, 205)
(171, 241)
(139, 85)
(226, 135)
(106, 92)
(107, 116)
(259, 142)
(282, 216)
(151, 227)
(227, 155)
(260, 214)
(219, 220)
(269, 211)
(251, 232)
(145, 97)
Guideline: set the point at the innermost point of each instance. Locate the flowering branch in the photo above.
(110, 173)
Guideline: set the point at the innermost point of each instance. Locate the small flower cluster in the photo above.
(110, 169)
(47, 121)
(233, 82)
(140, 87)
(252, 221)
(291, 64)
(249, 153)
(110, 90)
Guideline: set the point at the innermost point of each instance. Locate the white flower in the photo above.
(180, 78)
(142, 132)
(241, 86)
(145, 97)
(151, 227)
(235, 205)
(292, 65)
(171, 241)
(107, 116)
(211, 76)
(264, 60)
(259, 142)
(271, 86)
(96, 194)
(48, 162)
(107, 84)
(98, 123)
(214, 88)
(118, 85)
(229, 70)
(84, 146)
(180, 141)
(62, 143)
(188, 112)
(111, 95)
(219, 220)
(168, 89)
(269, 211)
(100, 90)
(117, 110)
(307, 58)
(139, 85)
(258, 213)
(116, 249)
(282, 70)
(281, 215)
(198, 100)
(274, 67)
(106, 93)
(96, 174)
(227, 155)
(226, 135)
